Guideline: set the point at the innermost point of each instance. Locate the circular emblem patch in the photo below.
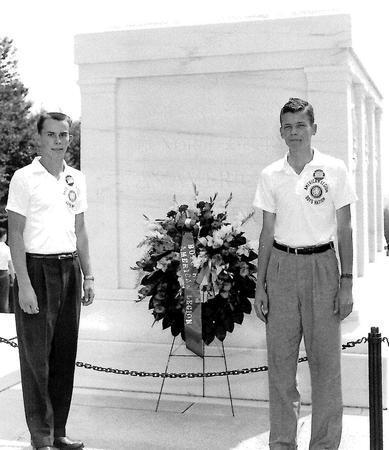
(72, 196)
(69, 180)
(318, 174)
(316, 191)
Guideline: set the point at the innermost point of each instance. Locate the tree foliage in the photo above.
(72, 156)
(18, 143)
(19, 140)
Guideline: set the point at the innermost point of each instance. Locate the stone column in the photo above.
(361, 180)
(329, 92)
(371, 178)
(378, 180)
(98, 151)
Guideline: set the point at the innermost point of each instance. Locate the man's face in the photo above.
(297, 130)
(54, 138)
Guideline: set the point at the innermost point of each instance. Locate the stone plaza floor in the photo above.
(107, 419)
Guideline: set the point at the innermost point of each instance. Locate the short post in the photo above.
(375, 390)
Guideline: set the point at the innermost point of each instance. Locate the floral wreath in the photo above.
(225, 262)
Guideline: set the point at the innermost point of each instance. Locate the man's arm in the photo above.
(27, 298)
(266, 238)
(83, 253)
(344, 298)
(11, 271)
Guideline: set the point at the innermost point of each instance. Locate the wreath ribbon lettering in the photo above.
(192, 315)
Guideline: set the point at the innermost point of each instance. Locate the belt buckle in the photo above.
(291, 250)
(64, 256)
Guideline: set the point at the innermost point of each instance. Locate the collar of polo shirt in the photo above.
(38, 167)
(317, 160)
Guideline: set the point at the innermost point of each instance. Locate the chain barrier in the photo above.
(136, 373)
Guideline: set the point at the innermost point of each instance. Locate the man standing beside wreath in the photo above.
(305, 198)
(49, 244)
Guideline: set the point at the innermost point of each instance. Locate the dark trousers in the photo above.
(48, 346)
(4, 292)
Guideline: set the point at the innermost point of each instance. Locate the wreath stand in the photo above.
(192, 355)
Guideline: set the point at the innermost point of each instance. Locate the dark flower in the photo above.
(227, 286)
(172, 214)
(145, 290)
(183, 208)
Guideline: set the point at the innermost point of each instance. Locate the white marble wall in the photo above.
(165, 107)
(213, 130)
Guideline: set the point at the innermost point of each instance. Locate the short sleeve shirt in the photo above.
(5, 256)
(305, 204)
(49, 205)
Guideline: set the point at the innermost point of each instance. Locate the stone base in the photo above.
(253, 386)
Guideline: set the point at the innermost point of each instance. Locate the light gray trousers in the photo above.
(302, 290)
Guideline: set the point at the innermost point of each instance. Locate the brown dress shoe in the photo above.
(64, 443)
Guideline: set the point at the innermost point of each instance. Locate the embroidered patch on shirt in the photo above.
(316, 188)
(69, 180)
(72, 197)
(318, 174)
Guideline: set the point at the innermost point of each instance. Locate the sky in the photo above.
(43, 32)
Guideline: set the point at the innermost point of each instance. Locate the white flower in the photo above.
(200, 260)
(223, 233)
(217, 242)
(253, 245)
(203, 241)
(163, 263)
(226, 230)
(243, 250)
(154, 226)
(209, 241)
(156, 234)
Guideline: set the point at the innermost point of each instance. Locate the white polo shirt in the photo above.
(305, 205)
(49, 205)
(5, 256)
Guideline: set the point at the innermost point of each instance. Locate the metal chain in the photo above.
(136, 373)
(362, 340)
(8, 341)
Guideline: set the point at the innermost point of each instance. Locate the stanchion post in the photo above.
(375, 390)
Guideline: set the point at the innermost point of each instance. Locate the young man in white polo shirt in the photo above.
(49, 245)
(305, 198)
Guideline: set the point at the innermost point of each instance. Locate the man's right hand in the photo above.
(27, 300)
(261, 303)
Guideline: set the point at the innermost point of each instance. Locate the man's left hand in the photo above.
(89, 292)
(344, 299)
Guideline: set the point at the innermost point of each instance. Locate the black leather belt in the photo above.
(304, 250)
(69, 255)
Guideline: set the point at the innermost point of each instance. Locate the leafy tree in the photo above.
(386, 227)
(18, 143)
(72, 156)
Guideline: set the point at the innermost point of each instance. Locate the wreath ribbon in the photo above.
(192, 316)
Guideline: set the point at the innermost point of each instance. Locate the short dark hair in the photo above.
(294, 105)
(52, 115)
(3, 231)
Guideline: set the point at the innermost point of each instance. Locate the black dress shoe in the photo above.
(47, 447)
(65, 443)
